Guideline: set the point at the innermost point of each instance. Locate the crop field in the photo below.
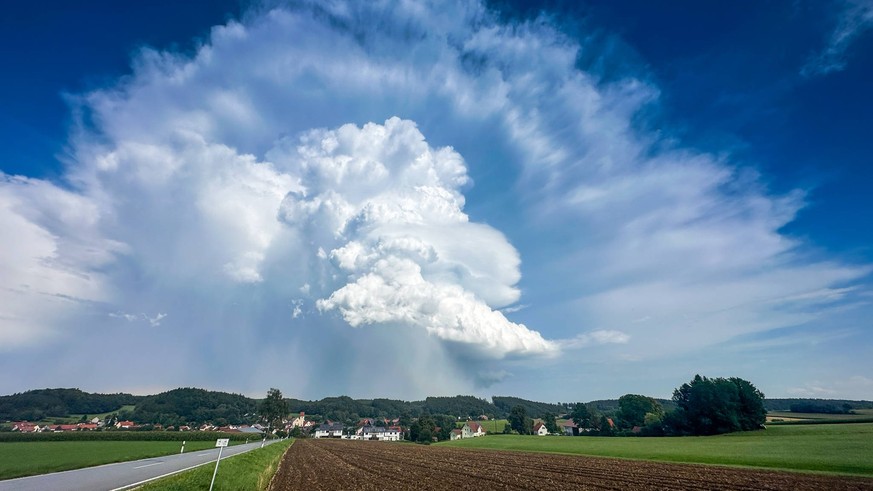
(352, 465)
(843, 448)
(20, 459)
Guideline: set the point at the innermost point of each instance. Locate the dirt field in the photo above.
(351, 465)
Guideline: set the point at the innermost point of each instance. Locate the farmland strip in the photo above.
(354, 465)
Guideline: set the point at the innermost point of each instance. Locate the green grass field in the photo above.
(788, 417)
(490, 426)
(20, 459)
(844, 448)
(75, 418)
(250, 471)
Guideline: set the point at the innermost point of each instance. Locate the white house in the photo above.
(540, 429)
(472, 429)
(299, 421)
(456, 434)
(391, 434)
(329, 430)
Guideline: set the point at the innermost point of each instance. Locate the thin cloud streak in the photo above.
(853, 22)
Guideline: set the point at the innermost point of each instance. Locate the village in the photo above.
(383, 429)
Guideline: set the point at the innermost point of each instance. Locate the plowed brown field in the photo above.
(351, 465)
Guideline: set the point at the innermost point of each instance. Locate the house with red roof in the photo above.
(472, 429)
(540, 429)
(570, 428)
(25, 427)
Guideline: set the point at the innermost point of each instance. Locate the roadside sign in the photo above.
(220, 443)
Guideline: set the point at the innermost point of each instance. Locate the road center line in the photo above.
(148, 465)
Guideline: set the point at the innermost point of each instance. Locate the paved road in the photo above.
(122, 475)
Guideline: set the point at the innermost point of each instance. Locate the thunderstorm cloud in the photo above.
(421, 193)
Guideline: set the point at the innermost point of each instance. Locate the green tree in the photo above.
(519, 421)
(713, 406)
(422, 430)
(550, 420)
(752, 413)
(606, 429)
(581, 415)
(632, 409)
(273, 409)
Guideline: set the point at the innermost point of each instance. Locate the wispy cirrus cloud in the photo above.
(855, 19)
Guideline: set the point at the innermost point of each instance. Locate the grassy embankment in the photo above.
(18, 459)
(842, 448)
(249, 471)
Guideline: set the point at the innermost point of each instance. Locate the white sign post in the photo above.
(220, 443)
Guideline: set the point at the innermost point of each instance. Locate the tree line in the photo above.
(35, 405)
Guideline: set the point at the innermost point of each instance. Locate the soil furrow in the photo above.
(354, 465)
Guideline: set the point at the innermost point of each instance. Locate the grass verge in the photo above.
(840, 448)
(247, 472)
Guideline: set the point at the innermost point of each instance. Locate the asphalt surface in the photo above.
(123, 475)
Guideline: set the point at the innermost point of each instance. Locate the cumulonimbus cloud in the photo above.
(269, 165)
(387, 211)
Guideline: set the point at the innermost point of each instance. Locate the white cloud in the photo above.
(397, 231)
(216, 187)
(51, 260)
(595, 338)
(854, 20)
(152, 321)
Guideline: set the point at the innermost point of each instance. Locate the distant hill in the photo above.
(195, 406)
(462, 406)
(35, 405)
(608, 406)
(532, 408)
(808, 404)
(345, 408)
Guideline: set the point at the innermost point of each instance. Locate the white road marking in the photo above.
(148, 465)
(128, 486)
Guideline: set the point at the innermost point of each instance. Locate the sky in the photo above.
(560, 201)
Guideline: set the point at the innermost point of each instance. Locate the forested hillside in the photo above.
(192, 406)
(35, 405)
(533, 409)
(609, 406)
(832, 406)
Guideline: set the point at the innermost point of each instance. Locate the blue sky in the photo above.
(566, 201)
